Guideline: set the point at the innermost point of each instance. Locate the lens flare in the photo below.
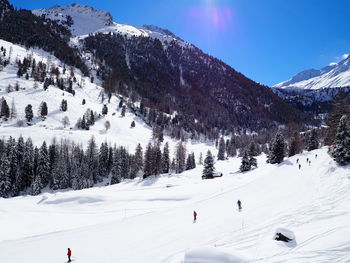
(212, 17)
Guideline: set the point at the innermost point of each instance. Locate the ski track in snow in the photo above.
(136, 221)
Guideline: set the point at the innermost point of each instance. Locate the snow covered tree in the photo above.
(166, 158)
(180, 157)
(208, 171)
(148, 161)
(92, 161)
(123, 111)
(13, 111)
(29, 112)
(312, 142)
(340, 151)
(104, 110)
(43, 168)
(200, 161)
(43, 110)
(64, 105)
(276, 151)
(65, 121)
(5, 110)
(245, 163)
(191, 162)
(103, 160)
(138, 158)
(5, 179)
(222, 149)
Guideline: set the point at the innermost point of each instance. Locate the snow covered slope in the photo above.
(151, 220)
(334, 75)
(82, 20)
(120, 132)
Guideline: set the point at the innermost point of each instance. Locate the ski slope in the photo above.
(151, 220)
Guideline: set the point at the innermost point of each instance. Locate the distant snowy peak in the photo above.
(334, 75)
(80, 19)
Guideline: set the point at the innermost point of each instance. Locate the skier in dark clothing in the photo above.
(298, 160)
(239, 203)
(299, 166)
(194, 216)
(69, 253)
(307, 160)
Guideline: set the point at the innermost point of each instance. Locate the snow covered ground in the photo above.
(151, 220)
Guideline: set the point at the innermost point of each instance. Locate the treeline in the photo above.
(27, 169)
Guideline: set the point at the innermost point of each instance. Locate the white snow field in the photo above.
(151, 220)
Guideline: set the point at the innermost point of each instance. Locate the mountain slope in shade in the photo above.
(334, 75)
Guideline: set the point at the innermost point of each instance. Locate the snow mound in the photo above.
(210, 255)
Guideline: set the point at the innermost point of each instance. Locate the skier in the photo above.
(299, 166)
(315, 156)
(239, 203)
(307, 160)
(298, 160)
(69, 253)
(309, 163)
(194, 216)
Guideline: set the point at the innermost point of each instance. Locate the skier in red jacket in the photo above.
(69, 253)
(194, 216)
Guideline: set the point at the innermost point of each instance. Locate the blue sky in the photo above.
(267, 40)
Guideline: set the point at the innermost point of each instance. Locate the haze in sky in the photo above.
(269, 41)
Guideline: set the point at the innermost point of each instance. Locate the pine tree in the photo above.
(104, 110)
(43, 110)
(295, 145)
(341, 149)
(5, 179)
(208, 171)
(5, 110)
(166, 158)
(43, 170)
(64, 105)
(103, 160)
(245, 163)
(29, 112)
(157, 160)
(312, 143)
(222, 150)
(148, 161)
(13, 111)
(123, 111)
(200, 158)
(138, 158)
(180, 157)
(92, 161)
(276, 151)
(116, 167)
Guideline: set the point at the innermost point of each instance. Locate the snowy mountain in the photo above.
(80, 19)
(334, 75)
(83, 20)
(151, 220)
